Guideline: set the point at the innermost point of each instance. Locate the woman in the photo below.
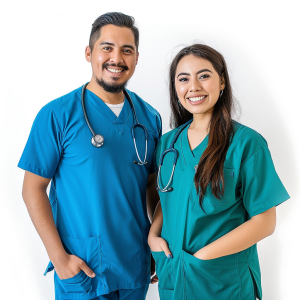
(218, 199)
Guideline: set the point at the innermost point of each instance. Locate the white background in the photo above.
(42, 58)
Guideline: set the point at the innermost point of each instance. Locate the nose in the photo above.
(116, 57)
(195, 85)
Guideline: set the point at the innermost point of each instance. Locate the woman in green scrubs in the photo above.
(222, 195)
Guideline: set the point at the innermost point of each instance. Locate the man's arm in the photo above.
(39, 208)
(152, 196)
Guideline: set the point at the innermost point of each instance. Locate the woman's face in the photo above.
(197, 84)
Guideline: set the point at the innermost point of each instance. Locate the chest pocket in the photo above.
(211, 204)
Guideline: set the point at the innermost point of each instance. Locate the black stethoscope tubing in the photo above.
(98, 140)
(167, 188)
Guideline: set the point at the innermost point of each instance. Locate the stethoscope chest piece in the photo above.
(97, 140)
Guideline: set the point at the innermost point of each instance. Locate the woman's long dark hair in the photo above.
(210, 167)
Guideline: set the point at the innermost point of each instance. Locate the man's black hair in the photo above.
(114, 18)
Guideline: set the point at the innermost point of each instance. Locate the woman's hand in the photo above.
(158, 244)
(202, 254)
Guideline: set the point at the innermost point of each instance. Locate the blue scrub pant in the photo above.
(136, 294)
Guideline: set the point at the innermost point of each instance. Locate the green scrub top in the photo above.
(252, 186)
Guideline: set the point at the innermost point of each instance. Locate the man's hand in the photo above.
(70, 265)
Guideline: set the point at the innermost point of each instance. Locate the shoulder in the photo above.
(168, 137)
(60, 108)
(248, 134)
(149, 114)
(246, 141)
(138, 101)
(66, 101)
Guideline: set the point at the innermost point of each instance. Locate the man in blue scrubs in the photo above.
(95, 224)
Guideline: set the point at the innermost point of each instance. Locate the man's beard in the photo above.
(111, 88)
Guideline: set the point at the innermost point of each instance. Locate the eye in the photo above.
(203, 76)
(183, 79)
(107, 48)
(128, 51)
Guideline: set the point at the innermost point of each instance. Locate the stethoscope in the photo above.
(98, 139)
(167, 188)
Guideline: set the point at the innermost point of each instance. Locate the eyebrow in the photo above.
(203, 70)
(112, 44)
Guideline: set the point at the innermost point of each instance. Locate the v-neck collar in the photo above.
(106, 111)
(189, 155)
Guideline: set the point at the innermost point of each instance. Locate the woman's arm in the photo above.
(152, 197)
(156, 226)
(155, 241)
(242, 237)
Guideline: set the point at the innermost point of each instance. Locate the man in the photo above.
(94, 224)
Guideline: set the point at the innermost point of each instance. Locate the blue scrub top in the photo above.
(98, 195)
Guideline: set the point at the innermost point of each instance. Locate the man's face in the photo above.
(113, 58)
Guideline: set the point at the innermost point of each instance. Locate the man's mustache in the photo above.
(124, 67)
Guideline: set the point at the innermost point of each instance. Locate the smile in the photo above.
(115, 71)
(196, 100)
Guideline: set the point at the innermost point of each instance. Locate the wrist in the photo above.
(153, 234)
(59, 256)
(152, 237)
(202, 254)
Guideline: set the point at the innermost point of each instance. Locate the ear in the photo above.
(222, 82)
(88, 54)
(137, 58)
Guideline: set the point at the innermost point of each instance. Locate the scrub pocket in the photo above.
(164, 271)
(211, 204)
(212, 279)
(80, 285)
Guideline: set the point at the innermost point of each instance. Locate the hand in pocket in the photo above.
(69, 266)
(158, 244)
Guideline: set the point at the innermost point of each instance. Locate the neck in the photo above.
(201, 123)
(106, 97)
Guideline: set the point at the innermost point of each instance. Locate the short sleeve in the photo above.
(260, 186)
(153, 168)
(43, 149)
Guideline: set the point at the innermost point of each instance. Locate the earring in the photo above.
(179, 101)
(221, 93)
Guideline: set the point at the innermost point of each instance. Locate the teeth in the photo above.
(114, 70)
(195, 99)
